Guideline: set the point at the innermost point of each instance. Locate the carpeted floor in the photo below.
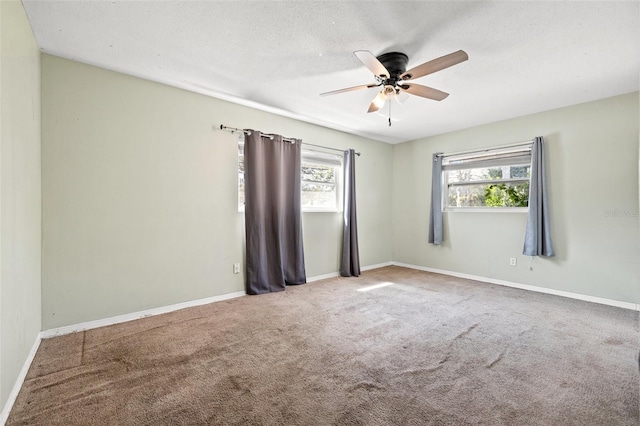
(425, 350)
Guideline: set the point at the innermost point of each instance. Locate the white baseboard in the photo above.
(323, 277)
(135, 315)
(376, 266)
(4, 414)
(337, 274)
(578, 296)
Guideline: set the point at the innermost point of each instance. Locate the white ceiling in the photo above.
(524, 57)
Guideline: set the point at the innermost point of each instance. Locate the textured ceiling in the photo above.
(524, 57)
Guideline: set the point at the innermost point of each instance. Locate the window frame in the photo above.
(311, 156)
(487, 158)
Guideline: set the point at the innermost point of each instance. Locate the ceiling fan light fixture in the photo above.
(401, 96)
(389, 91)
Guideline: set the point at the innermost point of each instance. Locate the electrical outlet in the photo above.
(236, 268)
(513, 261)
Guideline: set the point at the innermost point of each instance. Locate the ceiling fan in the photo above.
(389, 70)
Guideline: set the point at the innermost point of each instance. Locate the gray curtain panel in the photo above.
(273, 219)
(350, 265)
(537, 238)
(435, 216)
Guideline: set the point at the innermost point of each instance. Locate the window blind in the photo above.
(503, 157)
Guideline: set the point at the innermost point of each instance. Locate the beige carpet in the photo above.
(425, 350)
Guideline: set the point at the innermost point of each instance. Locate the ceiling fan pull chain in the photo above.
(389, 114)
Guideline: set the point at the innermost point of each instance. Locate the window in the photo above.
(496, 178)
(320, 181)
(321, 176)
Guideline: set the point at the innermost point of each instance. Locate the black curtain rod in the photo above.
(248, 132)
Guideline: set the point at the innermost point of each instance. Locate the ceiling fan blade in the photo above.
(424, 91)
(434, 65)
(371, 62)
(349, 89)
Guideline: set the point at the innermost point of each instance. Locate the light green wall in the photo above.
(139, 194)
(20, 317)
(592, 169)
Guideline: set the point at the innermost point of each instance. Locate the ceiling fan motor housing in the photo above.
(396, 64)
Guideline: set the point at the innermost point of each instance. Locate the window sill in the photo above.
(241, 210)
(320, 211)
(487, 210)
